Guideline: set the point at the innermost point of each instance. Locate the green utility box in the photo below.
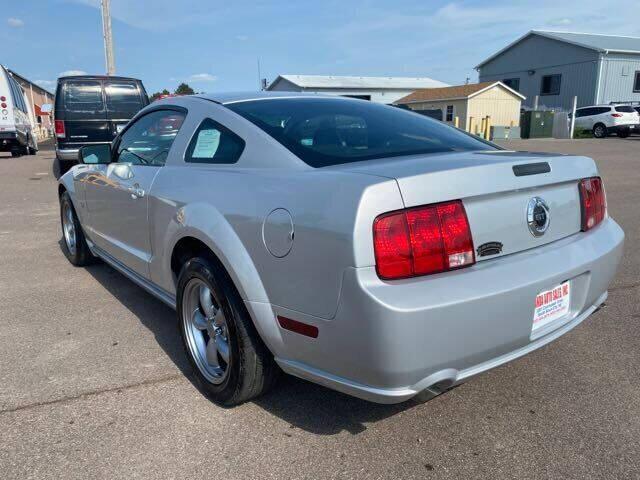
(536, 124)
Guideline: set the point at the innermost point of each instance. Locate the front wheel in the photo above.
(230, 362)
(599, 131)
(74, 245)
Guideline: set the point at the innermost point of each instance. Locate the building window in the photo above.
(636, 83)
(449, 114)
(513, 83)
(550, 85)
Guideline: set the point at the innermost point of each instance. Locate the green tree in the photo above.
(157, 95)
(184, 89)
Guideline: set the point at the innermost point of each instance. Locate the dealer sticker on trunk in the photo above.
(551, 305)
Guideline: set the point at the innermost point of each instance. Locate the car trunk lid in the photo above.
(496, 188)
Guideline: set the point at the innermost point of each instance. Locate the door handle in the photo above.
(136, 192)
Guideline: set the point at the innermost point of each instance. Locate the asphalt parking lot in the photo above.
(93, 381)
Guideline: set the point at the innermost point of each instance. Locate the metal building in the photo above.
(556, 66)
(377, 89)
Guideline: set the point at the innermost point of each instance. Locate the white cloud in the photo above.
(242, 38)
(202, 77)
(420, 36)
(71, 73)
(559, 22)
(15, 22)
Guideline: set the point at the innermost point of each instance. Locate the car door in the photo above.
(117, 196)
(123, 100)
(83, 112)
(581, 118)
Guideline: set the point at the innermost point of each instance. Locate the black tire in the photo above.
(80, 255)
(65, 165)
(15, 154)
(251, 369)
(600, 130)
(623, 133)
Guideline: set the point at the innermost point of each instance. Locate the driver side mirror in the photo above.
(95, 154)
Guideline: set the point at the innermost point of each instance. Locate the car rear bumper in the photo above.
(67, 154)
(391, 340)
(8, 141)
(626, 126)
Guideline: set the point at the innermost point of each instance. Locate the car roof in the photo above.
(608, 105)
(96, 77)
(234, 97)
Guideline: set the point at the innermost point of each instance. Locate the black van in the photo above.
(93, 109)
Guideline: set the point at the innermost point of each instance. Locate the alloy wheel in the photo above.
(69, 228)
(206, 331)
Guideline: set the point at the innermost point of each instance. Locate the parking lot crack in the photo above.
(92, 393)
(625, 287)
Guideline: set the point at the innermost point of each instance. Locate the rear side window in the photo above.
(83, 96)
(601, 110)
(624, 109)
(123, 99)
(214, 143)
(328, 131)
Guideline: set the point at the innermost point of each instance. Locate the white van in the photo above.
(16, 133)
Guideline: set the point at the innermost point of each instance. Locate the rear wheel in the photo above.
(230, 362)
(15, 153)
(599, 130)
(74, 245)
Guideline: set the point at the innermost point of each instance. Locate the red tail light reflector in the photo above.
(298, 327)
(3, 98)
(617, 115)
(594, 202)
(422, 240)
(59, 125)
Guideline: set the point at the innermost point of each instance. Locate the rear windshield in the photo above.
(625, 109)
(327, 131)
(83, 96)
(123, 99)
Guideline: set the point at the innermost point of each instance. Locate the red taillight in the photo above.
(60, 128)
(422, 240)
(3, 105)
(3, 98)
(594, 202)
(617, 115)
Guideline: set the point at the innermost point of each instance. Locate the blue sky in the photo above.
(214, 45)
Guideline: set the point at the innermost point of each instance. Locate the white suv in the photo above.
(605, 119)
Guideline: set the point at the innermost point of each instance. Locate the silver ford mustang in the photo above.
(363, 247)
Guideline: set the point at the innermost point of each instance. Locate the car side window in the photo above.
(149, 139)
(214, 143)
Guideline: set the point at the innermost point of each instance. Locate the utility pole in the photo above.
(108, 37)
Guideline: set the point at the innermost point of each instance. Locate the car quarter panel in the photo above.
(227, 208)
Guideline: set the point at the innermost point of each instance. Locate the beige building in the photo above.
(37, 97)
(469, 104)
